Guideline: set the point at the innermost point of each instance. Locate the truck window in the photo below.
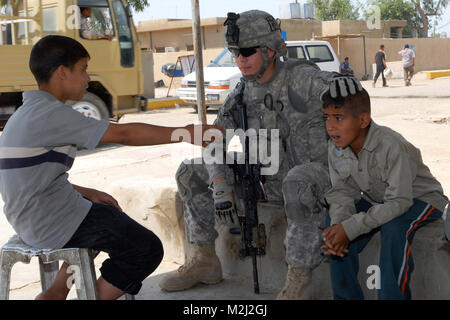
(9, 24)
(50, 20)
(95, 20)
(296, 53)
(319, 53)
(125, 37)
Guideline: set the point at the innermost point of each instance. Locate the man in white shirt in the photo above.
(85, 30)
(408, 61)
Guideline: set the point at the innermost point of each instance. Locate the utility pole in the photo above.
(196, 28)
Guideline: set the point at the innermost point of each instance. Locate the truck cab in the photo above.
(115, 70)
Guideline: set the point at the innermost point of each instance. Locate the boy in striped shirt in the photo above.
(37, 149)
(379, 182)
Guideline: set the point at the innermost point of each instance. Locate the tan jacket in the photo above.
(389, 173)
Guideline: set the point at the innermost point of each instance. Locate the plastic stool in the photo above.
(81, 258)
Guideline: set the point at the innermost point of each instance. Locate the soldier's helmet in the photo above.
(254, 28)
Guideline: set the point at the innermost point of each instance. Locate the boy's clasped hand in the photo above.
(336, 241)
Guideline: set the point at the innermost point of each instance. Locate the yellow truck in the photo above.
(104, 27)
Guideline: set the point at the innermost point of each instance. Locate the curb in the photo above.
(437, 74)
(170, 102)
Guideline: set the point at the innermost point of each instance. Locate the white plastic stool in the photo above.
(16, 250)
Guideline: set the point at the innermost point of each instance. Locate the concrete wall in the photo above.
(431, 54)
(158, 34)
(301, 29)
(344, 27)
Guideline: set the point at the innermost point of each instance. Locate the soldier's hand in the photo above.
(224, 201)
(341, 85)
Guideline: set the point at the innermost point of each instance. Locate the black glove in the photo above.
(224, 201)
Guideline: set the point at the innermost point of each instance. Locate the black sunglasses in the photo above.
(245, 52)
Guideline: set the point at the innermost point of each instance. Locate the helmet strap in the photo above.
(266, 64)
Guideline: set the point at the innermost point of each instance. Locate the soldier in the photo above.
(279, 95)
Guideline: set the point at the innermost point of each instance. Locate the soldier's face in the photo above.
(345, 129)
(250, 65)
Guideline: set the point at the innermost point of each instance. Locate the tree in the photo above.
(398, 10)
(427, 9)
(138, 5)
(335, 10)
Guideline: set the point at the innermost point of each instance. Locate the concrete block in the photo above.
(157, 206)
(271, 267)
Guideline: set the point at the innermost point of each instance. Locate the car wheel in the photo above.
(91, 106)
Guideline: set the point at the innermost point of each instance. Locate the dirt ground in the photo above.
(421, 113)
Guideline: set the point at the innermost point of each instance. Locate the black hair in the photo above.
(52, 51)
(355, 104)
(346, 58)
(381, 46)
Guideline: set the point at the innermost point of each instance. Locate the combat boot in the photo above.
(298, 285)
(203, 267)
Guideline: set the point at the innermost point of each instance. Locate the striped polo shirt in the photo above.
(37, 148)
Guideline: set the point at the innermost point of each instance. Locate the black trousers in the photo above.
(134, 251)
(379, 71)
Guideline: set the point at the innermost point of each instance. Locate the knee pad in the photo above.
(304, 187)
(189, 182)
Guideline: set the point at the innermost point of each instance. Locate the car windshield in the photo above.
(224, 59)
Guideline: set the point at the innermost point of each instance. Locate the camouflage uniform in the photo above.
(298, 91)
(302, 178)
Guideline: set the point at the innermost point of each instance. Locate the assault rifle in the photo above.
(253, 237)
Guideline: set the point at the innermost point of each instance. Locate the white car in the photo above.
(222, 74)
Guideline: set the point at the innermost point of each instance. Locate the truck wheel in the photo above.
(91, 106)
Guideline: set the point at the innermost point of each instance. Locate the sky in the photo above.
(181, 9)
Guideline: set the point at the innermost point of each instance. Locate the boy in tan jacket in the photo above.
(379, 182)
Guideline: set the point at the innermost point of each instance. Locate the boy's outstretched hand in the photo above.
(336, 240)
(201, 135)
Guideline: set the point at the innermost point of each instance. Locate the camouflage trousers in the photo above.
(303, 189)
